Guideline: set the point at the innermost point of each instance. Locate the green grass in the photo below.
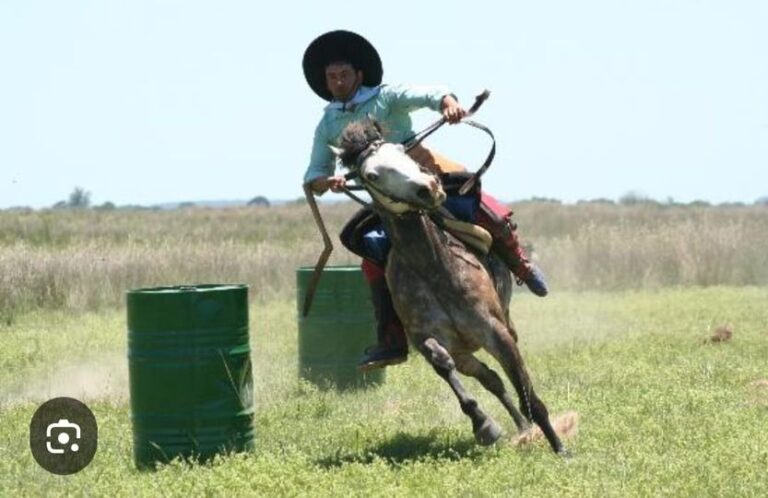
(662, 413)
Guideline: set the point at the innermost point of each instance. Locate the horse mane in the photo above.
(356, 137)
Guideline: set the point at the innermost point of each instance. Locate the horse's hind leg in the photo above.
(486, 430)
(508, 355)
(468, 364)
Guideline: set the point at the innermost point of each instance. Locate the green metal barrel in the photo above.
(190, 372)
(338, 328)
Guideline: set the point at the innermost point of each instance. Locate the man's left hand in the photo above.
(452, 111)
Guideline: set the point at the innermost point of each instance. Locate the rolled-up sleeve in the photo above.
(413, 97)
(322, 162)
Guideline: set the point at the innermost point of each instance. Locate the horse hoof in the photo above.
(488, 433)
(565, 453)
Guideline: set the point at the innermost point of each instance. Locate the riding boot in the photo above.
(392, 347)
(496, 219)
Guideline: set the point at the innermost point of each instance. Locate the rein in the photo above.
(419, 137)
(415, 140)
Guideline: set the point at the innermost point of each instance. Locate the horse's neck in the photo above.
(417, 238)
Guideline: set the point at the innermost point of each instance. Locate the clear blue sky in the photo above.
(158, 101)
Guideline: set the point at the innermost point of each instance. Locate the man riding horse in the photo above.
(344, 69)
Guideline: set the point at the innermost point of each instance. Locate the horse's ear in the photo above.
(337, 151)
(375, 123)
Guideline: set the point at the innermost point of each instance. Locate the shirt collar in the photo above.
(363, 94)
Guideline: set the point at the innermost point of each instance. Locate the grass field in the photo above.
(662, 413)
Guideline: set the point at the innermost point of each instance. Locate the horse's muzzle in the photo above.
(431, 195)
(424, 194)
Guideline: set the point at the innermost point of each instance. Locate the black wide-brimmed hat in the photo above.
(340, 46)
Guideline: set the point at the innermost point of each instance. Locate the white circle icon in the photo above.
(63, 438)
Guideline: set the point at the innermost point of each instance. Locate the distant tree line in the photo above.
(633, 198)
(259, 200)
(80, 198)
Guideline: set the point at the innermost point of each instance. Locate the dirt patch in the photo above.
(722, 333)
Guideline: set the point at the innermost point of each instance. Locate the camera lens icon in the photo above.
(63, 435)
(61, 431)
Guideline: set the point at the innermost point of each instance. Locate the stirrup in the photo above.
(379, 356)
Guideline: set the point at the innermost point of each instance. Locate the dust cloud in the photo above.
(95, 379)
(566, 426)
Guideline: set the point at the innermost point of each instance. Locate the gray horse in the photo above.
(451, 301)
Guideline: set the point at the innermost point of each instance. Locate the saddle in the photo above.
(474, 236)
(458, 218)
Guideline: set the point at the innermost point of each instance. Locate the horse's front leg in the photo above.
(508, 355)
(486, 430)
(469, 365)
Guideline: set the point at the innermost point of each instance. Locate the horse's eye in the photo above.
(371, 177)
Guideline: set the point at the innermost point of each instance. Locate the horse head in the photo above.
(396, 182)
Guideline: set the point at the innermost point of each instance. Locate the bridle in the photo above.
(394, 204)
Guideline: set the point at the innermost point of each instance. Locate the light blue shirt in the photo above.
(389, 105)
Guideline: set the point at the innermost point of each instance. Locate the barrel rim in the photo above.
(187, 288)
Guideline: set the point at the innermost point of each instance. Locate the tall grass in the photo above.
(83, 259)
(612, 247)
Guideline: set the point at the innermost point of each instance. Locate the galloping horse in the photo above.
(451, 302)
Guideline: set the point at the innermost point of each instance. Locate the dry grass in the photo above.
(610, 247)
(88, 259)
